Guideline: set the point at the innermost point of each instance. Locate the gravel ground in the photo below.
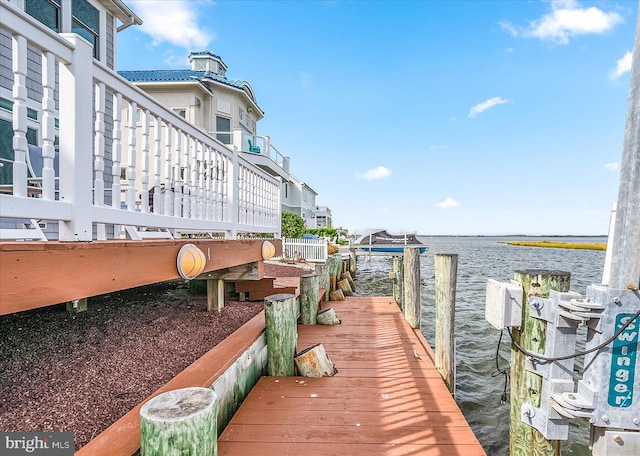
(81, 372)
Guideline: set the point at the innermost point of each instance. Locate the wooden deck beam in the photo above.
(38, 274)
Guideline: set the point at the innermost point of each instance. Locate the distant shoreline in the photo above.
(577, 236)
(556, 245)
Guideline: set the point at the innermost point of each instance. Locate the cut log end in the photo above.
(314, 362)
(337, 295)
(328, 317)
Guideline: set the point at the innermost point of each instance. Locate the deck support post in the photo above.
(527, 386)
(446, 271)
(322, 271)
(412, 286)
(77, 305)
(309, 288)
(181, 421)
(280, 314)
(398, 281)
(215, 295)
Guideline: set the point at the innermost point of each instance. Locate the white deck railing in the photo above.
(305, 249)
(125, 160)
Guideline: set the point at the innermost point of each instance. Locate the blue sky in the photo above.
(441, 117)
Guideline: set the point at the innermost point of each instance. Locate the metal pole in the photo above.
(625, 261)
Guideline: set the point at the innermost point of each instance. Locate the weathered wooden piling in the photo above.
(181, 421)
(309, 285)
(353, 262)
(412, 286)
(280, 314)
(446, 270)
(398, 281)
(527, 386)
(335, 267)
(322, 271)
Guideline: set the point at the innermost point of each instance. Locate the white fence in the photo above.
(305, 249)
(124, 159)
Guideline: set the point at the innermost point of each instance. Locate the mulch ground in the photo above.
(81, 372)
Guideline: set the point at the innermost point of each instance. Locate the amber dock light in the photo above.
(191, 261)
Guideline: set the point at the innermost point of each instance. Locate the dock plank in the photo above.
(387, 397)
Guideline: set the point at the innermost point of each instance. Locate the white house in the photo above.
(228, 110)
(323, 217)
(88, 153)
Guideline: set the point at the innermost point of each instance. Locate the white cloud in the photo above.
(376, 173)
(623, 65)
(174, 22)
(448, 203)
(566, 19)
(613, 166)
(490, 103)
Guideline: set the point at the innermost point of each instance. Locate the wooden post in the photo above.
(527, 386)
(446, 269)
(179, 422)
(322, 271)
(309, 285)
(335, 270)
(353, 262)
(412, 286)
(215, 295)
(398, 281)
(280, 326)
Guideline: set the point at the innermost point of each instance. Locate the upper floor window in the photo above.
(45, 11)
(223, 124)
(86, 23)
(85, 18)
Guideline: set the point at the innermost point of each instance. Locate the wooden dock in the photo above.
(387, 397)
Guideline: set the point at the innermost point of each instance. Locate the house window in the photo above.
(85, 18)
(182, 112)
(86, 23)
(286, 190)
(223, 124)
(6, 149)
(45, 11)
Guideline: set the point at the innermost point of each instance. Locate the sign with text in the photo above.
(36, 443)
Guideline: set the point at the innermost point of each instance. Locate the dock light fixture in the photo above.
(191, 261)
(268, 250)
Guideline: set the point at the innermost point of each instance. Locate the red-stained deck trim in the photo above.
(384, 399)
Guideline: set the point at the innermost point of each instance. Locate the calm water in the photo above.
(478, 393)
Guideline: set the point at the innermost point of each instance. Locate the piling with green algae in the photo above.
(309, 285)
(526, 387)
(177, 422)
(280, 313)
